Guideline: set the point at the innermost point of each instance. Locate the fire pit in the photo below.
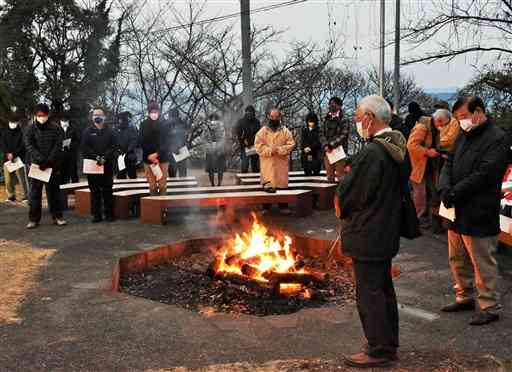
(257, 272)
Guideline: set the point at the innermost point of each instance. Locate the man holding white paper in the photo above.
(177, 144)
(43, 141)
(70, 145)
(13, 147)
(127, 138)
(99, 147)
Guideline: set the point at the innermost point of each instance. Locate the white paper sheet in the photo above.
(250, 151)
(13, 166)
(157, 171)
(121, 165)
(336, 154)
(448, 213)
(182, 154)
(505, 223)
(506, 186)
(66, 143)
(38, 174)
(92, 167)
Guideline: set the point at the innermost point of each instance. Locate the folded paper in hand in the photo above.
(92, 167)
(157, 171)
(66, 143)
(121, 164)
(336, 155)
(13, 166)
(38, 174)
(182, 154)
(448, 213)
(250, 151)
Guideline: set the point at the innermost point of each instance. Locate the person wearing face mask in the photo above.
(274, 144)
(177, 139)
(154, 140)
(70, 147)
(369, 203)
(99, 143)
(471, 183)
(215, 139)
(127, 138)
(43, 141)
(11, 142)
(311, 146)
(245, 131)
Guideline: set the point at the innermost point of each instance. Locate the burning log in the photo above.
(296, 278)
(237, 260)
(250, 271)
(212, 270)
(234, 278)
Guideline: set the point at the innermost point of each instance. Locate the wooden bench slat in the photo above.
(257, 180)
(290, 173)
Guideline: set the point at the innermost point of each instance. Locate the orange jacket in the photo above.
(448, 134)
(420, 140)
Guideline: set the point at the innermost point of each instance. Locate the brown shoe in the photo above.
(458, 306)
(363, 360)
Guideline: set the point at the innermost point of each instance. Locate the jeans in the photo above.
(52, 194)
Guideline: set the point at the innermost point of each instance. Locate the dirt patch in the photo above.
(20, 264)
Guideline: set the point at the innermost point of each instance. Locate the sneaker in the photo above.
(24, 202)
(32, 225)
(12, 199)
(483, 318)
(459, 306)
(60, 222)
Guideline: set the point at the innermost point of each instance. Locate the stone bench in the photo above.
(155, 209)
(293, 179)
(83, 196)
(127, 203)
(290, 173)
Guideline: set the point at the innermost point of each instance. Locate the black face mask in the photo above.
(250, 115)
(273, 124)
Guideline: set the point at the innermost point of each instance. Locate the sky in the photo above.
(357, 24)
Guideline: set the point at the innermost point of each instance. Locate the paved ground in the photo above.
(69, 322)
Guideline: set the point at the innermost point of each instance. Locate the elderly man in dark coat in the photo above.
(369, 205)
(245, 131)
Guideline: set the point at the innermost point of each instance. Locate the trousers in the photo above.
(102, 200)
(52, 194)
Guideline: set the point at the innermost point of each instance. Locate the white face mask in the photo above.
(467, 125)
(363, 133)
(64, 124)
(154, 116)
(42, 119)
(13, 125)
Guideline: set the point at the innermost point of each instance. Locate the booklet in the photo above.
(250, 151)
(182, 154)
(336, 155)
(38, 174)
(92, 167)
(13, 166)
(121, 165)
(157, 171)
(448, 213)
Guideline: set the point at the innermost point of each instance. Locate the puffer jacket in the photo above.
(11, 142)
(44, 144)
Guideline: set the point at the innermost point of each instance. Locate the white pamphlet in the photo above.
(66, 143)
(157, 171)
(121, 165)
(505, 224)
(448, 213)
(250, 151)
(13, 166)
(92, 167)
(38, 174)
(336, 155)
(182, 154)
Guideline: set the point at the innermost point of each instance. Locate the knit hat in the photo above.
(153, 106)
(42, 108)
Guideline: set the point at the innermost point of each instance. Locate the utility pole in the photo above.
(382, 46)
(245, 10)
(396, 77)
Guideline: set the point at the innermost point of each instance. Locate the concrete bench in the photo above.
(293, 179)
(155, 209)
(290, 173)
(127, 202)
(83, 196)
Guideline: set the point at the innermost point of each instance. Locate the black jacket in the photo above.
(154, 138)
(311, 139)
(398, 124)
(100, 142)
(334, 131)
(11, 142)
(473, 174)
(370, 199)
(177, 134)
(44, 144)
(246, 129)
(127, 138)
(71, 133)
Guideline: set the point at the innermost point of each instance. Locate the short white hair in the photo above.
(377, 106)
(442, 114)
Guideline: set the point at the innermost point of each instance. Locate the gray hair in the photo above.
(442, 114)
(377, 106)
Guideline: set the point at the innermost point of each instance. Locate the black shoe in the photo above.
(110, 219)
(96, 219)
(483, 318)
(458, 306)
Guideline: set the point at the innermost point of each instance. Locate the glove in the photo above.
(43, 166)
(448, 198)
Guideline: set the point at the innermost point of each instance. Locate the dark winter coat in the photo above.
(154, 138)
(311, 139)
(11, 142)
(398, 124)
(100, 142)
(177, 134)
(73, 134)
(44, 144)
(334, 131)
(474, 173)
(370, 199)
(246, 129)
(127, 139)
